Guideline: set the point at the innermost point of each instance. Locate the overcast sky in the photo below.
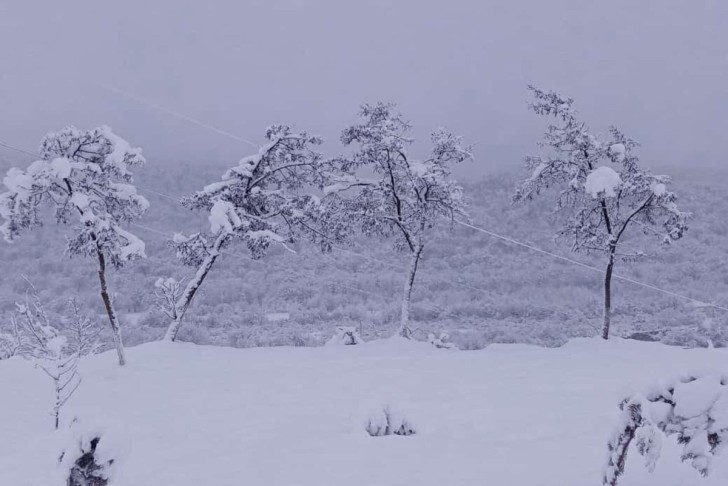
(658, 69)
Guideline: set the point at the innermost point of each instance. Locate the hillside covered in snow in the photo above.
(477, 288)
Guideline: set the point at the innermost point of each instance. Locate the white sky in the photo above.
(658, 69)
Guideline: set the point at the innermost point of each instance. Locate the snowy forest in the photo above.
(375, 291)
(477, 288)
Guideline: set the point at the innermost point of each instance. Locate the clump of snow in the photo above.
(419, 168)
(695, 409)
(265, 235)
(696, 397)
(223, 217)
(17, 180)
(658, 189)
(602, 181)
(618, 151)
(245, 167)
(61, 167)
(134, 246)
(121, 153)
(80, 200)
(345, 335)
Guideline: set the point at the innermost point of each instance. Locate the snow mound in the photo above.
(602, 181)
(696, 397)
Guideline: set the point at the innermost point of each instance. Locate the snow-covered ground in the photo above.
(508, 415)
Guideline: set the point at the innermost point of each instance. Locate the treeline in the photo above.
(479, 290)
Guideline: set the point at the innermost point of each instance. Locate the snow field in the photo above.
(508, 415)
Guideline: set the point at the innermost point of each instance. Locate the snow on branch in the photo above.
(694, 409)
(601, 188)
(402, 196)
(405, 196)
(84, 176)
(265, 197)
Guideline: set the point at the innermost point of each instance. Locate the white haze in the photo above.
(656, 68)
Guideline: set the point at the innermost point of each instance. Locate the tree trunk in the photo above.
(608, 297)
(57, 406)
(113, 320)
(192, 286)
(404, 329)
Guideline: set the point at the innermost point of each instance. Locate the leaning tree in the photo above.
(266, 198)
(84, 177)
(383, 191)
(601, 189)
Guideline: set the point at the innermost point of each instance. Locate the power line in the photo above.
(463, 223)
(482, 230)
(177, 114)
(18, 149)
(587, 266)
(473, 227)
(162, 194)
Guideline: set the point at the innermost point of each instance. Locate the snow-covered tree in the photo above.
(264, 199)
(602, 190)
(383, 191)
(84, 177)
(694, 409)
(56, 352)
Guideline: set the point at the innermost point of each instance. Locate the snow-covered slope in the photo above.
(508, 415)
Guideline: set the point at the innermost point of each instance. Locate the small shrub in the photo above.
(388, 422)
(345, 335)
(442, 342)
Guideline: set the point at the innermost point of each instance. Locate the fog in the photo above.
(656, 68)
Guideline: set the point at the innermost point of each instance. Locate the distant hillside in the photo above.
(478, 288)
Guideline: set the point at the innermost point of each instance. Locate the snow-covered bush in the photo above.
(694, 409)
(84, 177)
(602, 190)
(345, 335)
(388, 421)
(399, 196)
(443, 341)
